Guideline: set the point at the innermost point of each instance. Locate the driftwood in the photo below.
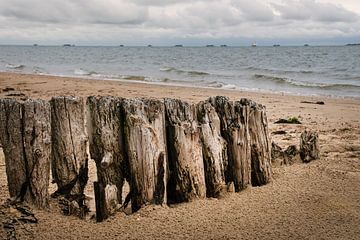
(105, 128)
(25, 131)
(186, 167)
(69, 156)
(284, 157)
(309, 146)
(234, 117)
(146, 148)
(260, 144)
(214, 149)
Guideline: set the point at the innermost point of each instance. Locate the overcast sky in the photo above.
(188, 22)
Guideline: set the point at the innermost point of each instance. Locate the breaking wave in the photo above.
(14, 66)
(179, 71)
(283, 80)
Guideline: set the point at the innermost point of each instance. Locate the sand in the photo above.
(319, 200)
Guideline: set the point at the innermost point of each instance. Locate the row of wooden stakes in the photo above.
(169, 151)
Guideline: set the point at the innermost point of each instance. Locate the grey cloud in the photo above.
(316, 11)
(255, 10)
(81, 11)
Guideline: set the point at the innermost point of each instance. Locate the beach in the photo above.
(319, 200)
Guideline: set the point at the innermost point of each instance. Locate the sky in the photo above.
(187, 22)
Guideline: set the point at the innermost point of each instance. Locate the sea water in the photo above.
(323, 70)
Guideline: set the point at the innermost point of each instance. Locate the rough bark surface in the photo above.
(146, 147)
(260, 144)
(69, 156)
(234, 118)
(13, 144)
(25, 131)
(309, 146)
(37, 147)
(214, 149)
(186, 180)
(105, 128)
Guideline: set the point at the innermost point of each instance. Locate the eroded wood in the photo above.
(309, 146)
(106, 142)
(186, 179)
(214, 149)
(25, 131)
(146, 148)
(260, 144)
(234, 118)
(69, 156)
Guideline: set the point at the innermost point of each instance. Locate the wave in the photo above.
(14, 66)
(283, 80)
(83, 72)
(179, 71)
(216, 84)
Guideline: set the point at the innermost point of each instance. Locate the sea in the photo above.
(305, 70)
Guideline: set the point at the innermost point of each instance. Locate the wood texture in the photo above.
(105, 128)
(309, 146)
(261, 171)
(214, 149)
(25, 131)
(69, 156)
(13, 145)
(37, 147)
(186, 177)
(146, 147)
(234, 118)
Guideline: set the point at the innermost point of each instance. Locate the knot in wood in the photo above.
(38, 153)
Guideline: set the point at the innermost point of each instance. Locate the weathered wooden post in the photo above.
(261, 171)
(234, 117)
(25, 131)
(146, 148)
(69, 141)
(106, 142)
(186, 177)
(12, 141)
(214, 149)
(309, 146)
(37, 146)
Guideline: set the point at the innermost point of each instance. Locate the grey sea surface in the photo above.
(324, 70)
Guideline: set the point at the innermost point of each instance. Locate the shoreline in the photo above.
(170, 85)
(132, 80)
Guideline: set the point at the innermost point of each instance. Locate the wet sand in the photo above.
(319, 200)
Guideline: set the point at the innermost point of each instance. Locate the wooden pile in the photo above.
(169, 151)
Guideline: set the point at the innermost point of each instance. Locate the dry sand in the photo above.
(319, 200)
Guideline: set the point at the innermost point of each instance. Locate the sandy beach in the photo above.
(319, 200)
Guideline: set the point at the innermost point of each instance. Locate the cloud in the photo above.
(313, 10)
(75, 12)
(140, 21)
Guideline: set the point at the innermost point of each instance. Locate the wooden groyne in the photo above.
(169, 150)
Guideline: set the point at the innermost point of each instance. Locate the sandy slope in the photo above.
(319, 200)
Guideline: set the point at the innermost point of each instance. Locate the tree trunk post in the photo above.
(186, 166)
(105, 128)
(37, 146)
(146, 147)
(214, 149)
(11, 130)
(25, 130)
(234, 117)
(261, 171)
(69, 142)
